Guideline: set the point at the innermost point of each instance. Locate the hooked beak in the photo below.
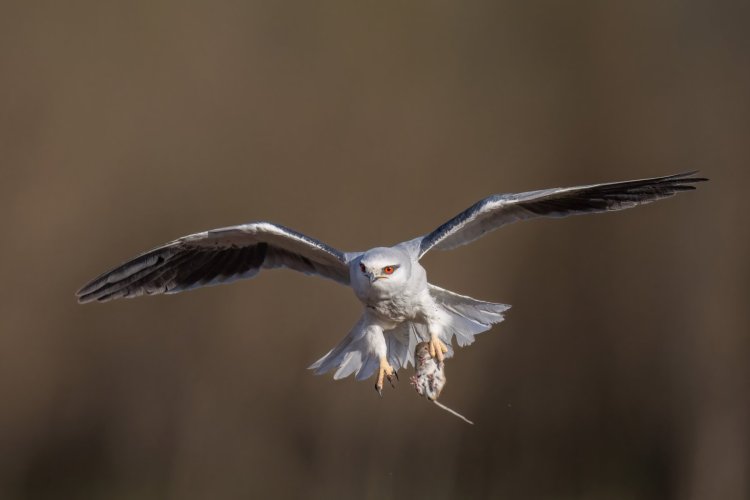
(373, 278)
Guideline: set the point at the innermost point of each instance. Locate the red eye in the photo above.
(389, 269)
(362, 267)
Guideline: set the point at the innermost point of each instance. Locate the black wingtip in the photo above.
(86, 293)
(687, 177)
(83, 298)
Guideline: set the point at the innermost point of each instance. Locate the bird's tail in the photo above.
(467, 317)
(351, 356)
(464, 318)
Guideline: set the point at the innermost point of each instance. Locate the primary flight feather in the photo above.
(401, 308)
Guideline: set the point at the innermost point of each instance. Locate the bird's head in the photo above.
(383, 268)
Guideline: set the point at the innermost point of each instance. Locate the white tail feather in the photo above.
(466, 317)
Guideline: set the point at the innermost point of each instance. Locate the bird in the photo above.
(401, 309)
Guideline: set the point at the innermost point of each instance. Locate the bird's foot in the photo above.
(386, 372)
(437, 349)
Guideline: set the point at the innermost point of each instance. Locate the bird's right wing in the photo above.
(501, 209)
(214, 257)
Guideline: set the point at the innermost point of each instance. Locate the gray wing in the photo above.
(214, 257)
(501, 209)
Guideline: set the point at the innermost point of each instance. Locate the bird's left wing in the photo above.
(214, 257)
(501, 209)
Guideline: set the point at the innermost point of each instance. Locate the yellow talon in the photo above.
(437, 349)
(386, 371)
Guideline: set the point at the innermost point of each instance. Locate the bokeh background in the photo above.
(621, 371)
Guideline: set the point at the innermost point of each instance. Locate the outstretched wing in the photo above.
(214, 257)
(501, 209)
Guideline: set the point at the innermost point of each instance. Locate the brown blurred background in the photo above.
(621, 371)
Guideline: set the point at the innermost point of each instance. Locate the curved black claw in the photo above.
(379, 389)
(390, 379)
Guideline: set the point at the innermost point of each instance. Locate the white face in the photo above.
(383, 268)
